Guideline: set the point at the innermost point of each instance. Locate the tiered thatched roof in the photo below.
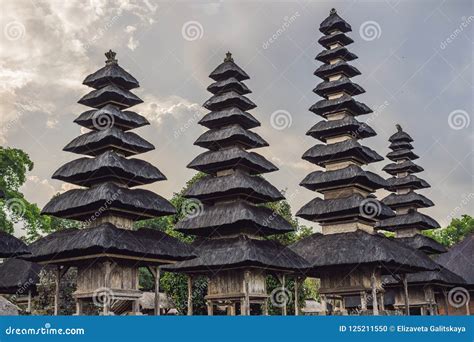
(10, 246)
(106, 198)
(459, 259)
(18, 276)
(403, 183)
(233, 193)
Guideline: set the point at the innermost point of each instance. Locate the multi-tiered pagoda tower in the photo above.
(108, 252)
(404, 200)
(232, 228)
(428, 286)
(348, 256)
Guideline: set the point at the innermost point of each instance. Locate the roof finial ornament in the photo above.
(399, 128)
(332, 11)
(110, 57)
(228, 57)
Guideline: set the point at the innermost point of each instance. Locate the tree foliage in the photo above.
(454, 232)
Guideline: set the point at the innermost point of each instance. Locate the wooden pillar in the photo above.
(231, 309)
(28, 309)
(446, 302)
(467, 308)
(247, 294)
(283, 281)
(381, 301)
(405, 293)
(107, 288)
(265, 307)
(297, 309)
(363, 301)
(157, 292)
(324, 304)
(190, 295)
(56, 289)
(210, 308)
(373, 281)
(135, 307)
(78, 307)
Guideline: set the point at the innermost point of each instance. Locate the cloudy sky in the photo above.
(415, 57)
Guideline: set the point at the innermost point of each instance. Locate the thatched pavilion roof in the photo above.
(326, 56)
(345, 102)
(459, 259)
(330, 252)
(410, 199)
(229, 84)
(229, 116)
(106, 239)
(410, 181)
(334, 22)
(334, 38)
(110, 94)
(241, 251)
(217, 138)
(111, 73)
(111, 115)
(405, 166)
(348, 125)
(326, 70)
(412, 219)
(342, 84)
(18, 276)
(424, 244)
(10, 246)
(227, 70)
(442, 276)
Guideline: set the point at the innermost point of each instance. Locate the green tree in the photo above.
(454, 232)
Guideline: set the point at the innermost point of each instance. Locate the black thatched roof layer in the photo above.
(402, 154)
(459, 259)
(354, 206)
(97, 142)
(227, 70)
(10, 246)
(345, 102)
(110, 115)
(254, 189)
(106, 238)
(326, 70)
(240, 251)
(424, 244)
(227, 85)
(334, 22)
(234, 218)
(348, 125)
(413, 219)
(441, 277)
(228, 158)
(111, 73)
(410, 199)
(331, 39)
(18, 276)
(217, 138)
(343, 84)
(350, 149)
(108, 199)
(229, 99)
(110, 94)
(405, 166)
(410, 181)
(106, 167)
(348, 250)
(229, 116)
(400, 145)
(326, 56)
(400, 136)
(350, 175)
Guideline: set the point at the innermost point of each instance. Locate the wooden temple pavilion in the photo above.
(348, 256)
(18, 279)
(107, 251)
(232, 229)
(458, 259)
(408, 224)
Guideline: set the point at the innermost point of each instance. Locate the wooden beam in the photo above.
(247, 294)
(363, 301)
(283, 281)
(324, 304)
(190, 295)
(210, 308)
(107, 303)
(28, 309)
(157, 291)
(78, 307)
(373, 281)
(405, 293)
(265, 307)
(57, 280)
(296, 297)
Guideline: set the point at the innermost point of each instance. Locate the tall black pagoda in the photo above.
(231, 230)
(107, 251)
(425, 288)
(347, 256)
